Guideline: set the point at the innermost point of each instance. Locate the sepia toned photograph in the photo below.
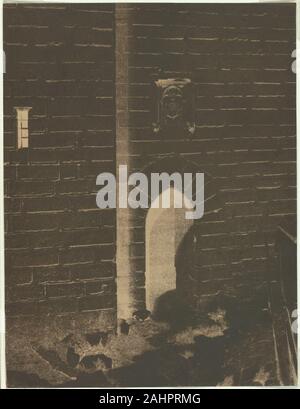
(150, 194)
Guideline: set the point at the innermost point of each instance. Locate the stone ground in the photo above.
(222, 347)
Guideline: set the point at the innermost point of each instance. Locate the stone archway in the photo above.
(131, 243)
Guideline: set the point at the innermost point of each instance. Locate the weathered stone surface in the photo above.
(25, 379)
(98, 361)
(141, 315)
(97, 337)
(55, 361)
(95, 379)
(206, 352)
(72, 357)
(123, 327)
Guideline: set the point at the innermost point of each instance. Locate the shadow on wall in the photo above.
(172, 308)
(165, 230)
(177, 307)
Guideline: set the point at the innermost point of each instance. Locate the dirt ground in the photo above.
(222, 346)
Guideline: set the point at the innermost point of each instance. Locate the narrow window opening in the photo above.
(22, 120)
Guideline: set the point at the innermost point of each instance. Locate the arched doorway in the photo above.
(164, 232)
(132, 238)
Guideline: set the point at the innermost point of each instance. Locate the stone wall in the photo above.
(239, 59)
(59, 246)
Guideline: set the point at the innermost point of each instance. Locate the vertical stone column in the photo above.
(125, 284)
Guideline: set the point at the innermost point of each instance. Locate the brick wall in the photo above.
(60, 60)
(59, 246)
(239, 59)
